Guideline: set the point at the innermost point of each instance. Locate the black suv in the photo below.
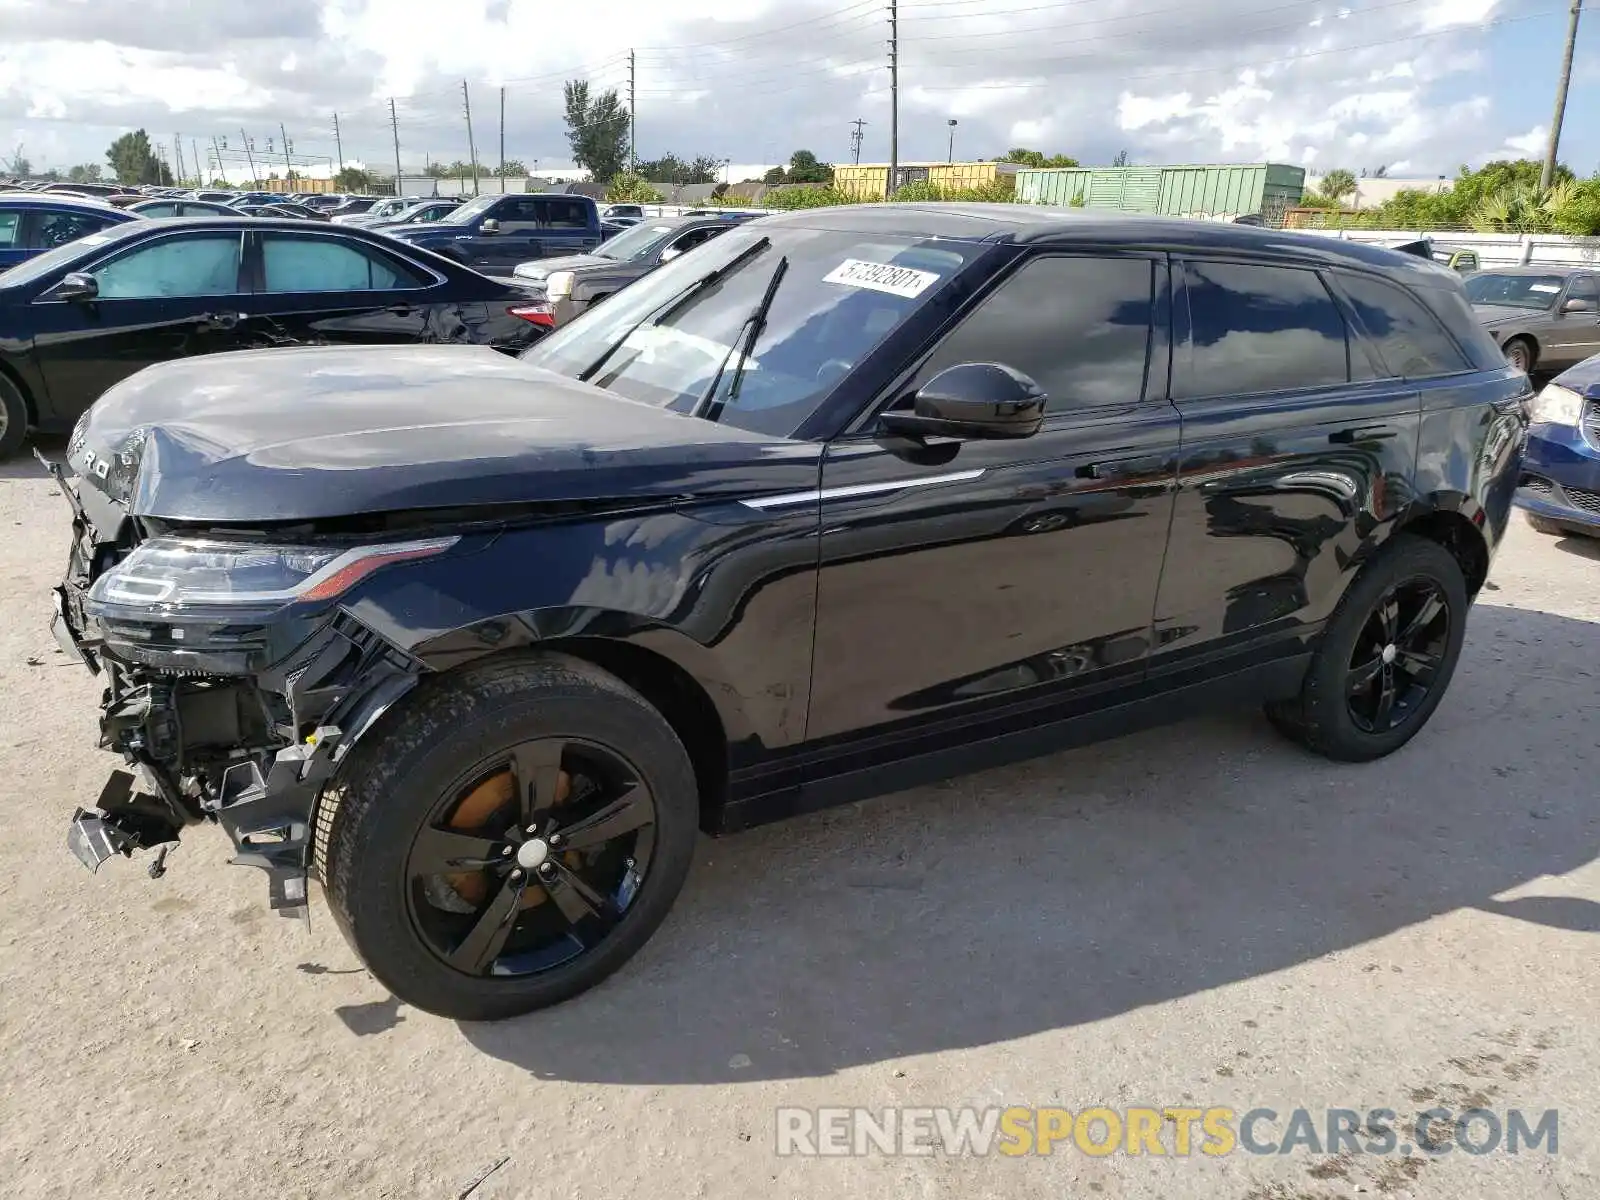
(842, 502)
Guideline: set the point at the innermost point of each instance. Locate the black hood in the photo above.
(320, 432)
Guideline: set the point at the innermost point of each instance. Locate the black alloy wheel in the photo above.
(1386, 657)
(1398, 656)
(535, 862)
(507, 836)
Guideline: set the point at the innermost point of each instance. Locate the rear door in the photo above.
(12, 247)
(568, 225)
(318, 287)
(170, 297)
(1298, 445)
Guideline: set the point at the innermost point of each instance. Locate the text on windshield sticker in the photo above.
(1543, 287)
(882, 277)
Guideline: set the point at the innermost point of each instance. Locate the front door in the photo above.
(515, 239)
(166, 299)
(992, 583)
(1574, 333)
(315, 288)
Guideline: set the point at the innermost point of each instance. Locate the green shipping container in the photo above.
(1215, 192)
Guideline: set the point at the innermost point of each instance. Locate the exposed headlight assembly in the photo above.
(1555, 406)
(170, 574)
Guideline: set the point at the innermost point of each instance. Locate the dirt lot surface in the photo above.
(1199, 915)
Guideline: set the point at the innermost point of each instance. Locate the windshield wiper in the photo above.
(674, 302)
(744, 342)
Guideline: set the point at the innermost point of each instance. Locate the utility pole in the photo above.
(502, 139)
(216, 148)
(894, 97)
(194, 153)
(951, 156)
(288, 163)
(177, 145)
(1547, 176)
(472, 148)
(338, 143)
(855, 140)
(633, 113)
(394, 123)
(249, 153)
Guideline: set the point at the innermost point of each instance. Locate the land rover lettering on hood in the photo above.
(833, 504)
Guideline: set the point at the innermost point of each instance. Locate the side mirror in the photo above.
(670, 253)
(1575, 305)
(971, 401)
(77, 287)
(490, 225)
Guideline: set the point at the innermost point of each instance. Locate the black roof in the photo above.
(1030, 224)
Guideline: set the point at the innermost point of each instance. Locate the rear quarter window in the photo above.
(1454, 311)
(1411, 342)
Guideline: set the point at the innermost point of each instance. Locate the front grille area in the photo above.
(1538, 485)
(1589, 423)
(1579, 498)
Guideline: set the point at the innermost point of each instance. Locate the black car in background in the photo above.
(78, 319)
(843, 502)
(176, 206)
(574, 282)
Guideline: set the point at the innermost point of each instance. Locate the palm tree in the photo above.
(1338, 183)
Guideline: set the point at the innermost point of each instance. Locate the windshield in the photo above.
(468, 211)
(662, 342)
(635, 243)
(1517, 291)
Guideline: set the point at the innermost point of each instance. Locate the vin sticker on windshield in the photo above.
(1543, 287)
(882, 277)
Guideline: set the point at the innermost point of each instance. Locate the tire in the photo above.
(1324, 717)
(13, 419)
(1542, 525)
(1520, 353)
(370, 829)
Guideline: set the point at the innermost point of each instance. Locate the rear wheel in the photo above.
(1386, 658)
(13, 418)
(1519, 353)
(510, 840)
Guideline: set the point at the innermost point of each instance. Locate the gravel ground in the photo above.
(1200, 915)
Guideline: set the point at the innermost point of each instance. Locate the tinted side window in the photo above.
(1583, 288)
(1410, 340)
(207, 265)
(52, 229)
(1260, 329)
(320, 264)
(520, 211)
(10, 228)
(168, 209)
(564, 214)
(1079, 326)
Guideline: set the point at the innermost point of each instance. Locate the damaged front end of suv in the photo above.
(232, 677)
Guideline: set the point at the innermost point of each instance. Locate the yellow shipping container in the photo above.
(868, 179)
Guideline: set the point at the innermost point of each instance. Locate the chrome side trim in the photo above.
(789, 499)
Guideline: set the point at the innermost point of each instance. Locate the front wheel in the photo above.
(512, 837)
(1519, 354)
(1386, 658)
(13, 419)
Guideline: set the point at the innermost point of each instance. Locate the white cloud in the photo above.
(1530, 144)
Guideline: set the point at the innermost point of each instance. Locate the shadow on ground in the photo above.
(1086, 885)
(23, 465)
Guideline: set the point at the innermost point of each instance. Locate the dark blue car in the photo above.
(33, 222)
(496, 232)
(1561, 476)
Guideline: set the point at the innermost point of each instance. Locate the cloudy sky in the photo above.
(1418, 85)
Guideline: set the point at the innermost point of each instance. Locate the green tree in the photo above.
(804, 168)
(1338, 183)
(1022, 156)
(134, 161)
(1121, 160)
(669, 168)
(632, 189)
(17, 164)
(512, 168)
(85, 173)
(597, 129)
(437, 170)
(353, 179)
(774, 176)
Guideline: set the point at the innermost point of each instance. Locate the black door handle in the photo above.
(1364, 433)
(222, 320)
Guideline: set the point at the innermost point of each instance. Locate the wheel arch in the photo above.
(1457, 526)
(15, 379)
(1532, 342)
